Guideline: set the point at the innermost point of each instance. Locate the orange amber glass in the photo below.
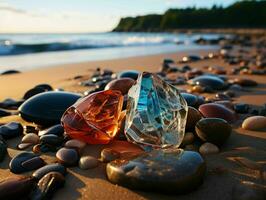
(94, 118)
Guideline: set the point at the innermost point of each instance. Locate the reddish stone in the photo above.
(214, 110)
(94, 119)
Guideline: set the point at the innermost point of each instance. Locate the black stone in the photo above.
(47, 108)
(10, 72)
(192, 100)
(214, 82)
(51, 139)
(32, 92)
(45, 86)
(241, 108)
(47, 186)
(55, 130)
(129, 74)
(11, 130)
(15, 164)
(4, 113)
(10, 104)
(175, 171)
(3, 150)
(39, 173)
(213, 130)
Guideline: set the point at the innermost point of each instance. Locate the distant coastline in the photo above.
(240, 17)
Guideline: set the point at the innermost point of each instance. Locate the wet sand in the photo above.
(224, 170)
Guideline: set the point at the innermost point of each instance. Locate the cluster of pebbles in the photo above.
(208, 127)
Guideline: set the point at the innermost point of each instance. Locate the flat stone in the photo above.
(31, 138)
(75, 144)
(214, 82)
(47, 108)
(172, 171)
(88, 162)
(4, 113)
(51, 139)
(213, 110)
(11, 130)
(254, 123)
(67, 157)
(214, 130)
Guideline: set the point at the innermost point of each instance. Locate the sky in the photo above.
(65, 16)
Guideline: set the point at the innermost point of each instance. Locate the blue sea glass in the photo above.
(156, 113)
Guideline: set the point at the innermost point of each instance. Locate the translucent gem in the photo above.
(94, 119)
(156, 113)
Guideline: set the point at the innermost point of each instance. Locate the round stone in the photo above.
(108, 155)
(254, 123)
(193, 117)
(213, 110)
(11, 130)
(47, 108)
(245, 82)
(208, 148)
(214, 130)
(192, 100)
(129, 74)
(31, 138)
(160, 171)
(214, 82)
(68, 157)
(122, 84)
(75, 144)
(88, 162)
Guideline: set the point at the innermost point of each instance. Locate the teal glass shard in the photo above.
(156, 113)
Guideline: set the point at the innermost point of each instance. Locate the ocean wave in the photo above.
(7, 47)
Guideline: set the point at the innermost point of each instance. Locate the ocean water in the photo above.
(28, 51)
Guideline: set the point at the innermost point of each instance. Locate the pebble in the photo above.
(75, 144)
(213, 110)
(208, 148)
(129, 74)
(10, 104)
(3, 150)
(30, 129)
(122, 84)
(241, 108)
(254, 123)
(48, 185)
(14, 188)
(245, 82)
(193, 117)
(55, 130)
(47, 108)
(11, 130)
(108, 155)
(32, 161)
(32, 92)
(160, 171)
(23, 146)
(39, 173)
(4, 113)
(192, 100)
(214, 130)
(51, 139)
(188, 139)
(31, 138)
(214, 82)
(67, 157)
(88, 162)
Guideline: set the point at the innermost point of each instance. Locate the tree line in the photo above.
(242, 14)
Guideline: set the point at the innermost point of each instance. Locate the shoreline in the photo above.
(62, 76)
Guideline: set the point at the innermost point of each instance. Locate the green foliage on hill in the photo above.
(243, 14)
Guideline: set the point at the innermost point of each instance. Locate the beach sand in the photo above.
(224, 170)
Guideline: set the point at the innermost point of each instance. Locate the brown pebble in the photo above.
(88, 162)
(254, 123)
(208, 148)
(30, 138)
(23, 146)
(76, 144)
(108, 155)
